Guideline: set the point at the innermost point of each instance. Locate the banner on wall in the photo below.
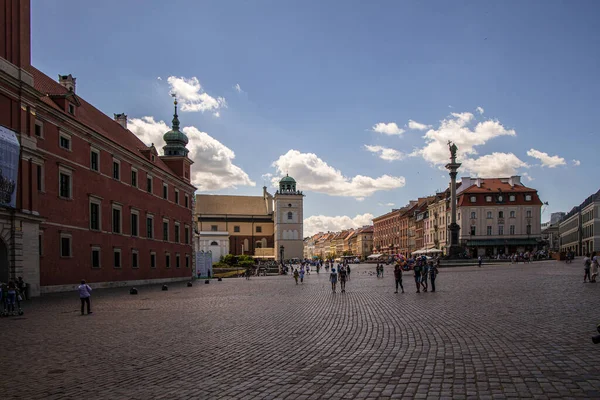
(203, 264)
(9, 167)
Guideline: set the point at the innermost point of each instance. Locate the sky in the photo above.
(356, 100)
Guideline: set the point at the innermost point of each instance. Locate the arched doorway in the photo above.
(215, 249)
(4, 265)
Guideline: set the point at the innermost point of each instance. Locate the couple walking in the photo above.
(342, 277)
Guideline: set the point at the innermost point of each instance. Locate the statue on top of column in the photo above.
(453, 150)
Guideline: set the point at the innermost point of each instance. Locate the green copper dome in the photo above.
(175, 139)
(288, 178)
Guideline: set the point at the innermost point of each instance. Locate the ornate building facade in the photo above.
(91, 200)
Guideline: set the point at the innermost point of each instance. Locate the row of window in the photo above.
(489, 214)
(500, 198)
(117, 223)
(489, 230)
(65, 143)
(66, 251)
(236, 228)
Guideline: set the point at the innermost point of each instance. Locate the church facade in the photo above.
(267, 227)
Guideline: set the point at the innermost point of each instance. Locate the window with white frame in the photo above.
(512, 214)
(116, 169)
(488, 199)
(117, 220)
(500, 214)
(134, 177)
(66, 245)
(71, 109)
(187, 234)
(511, 197)
(528, 213)
(165, 191)
(473, 215)
(150, 226)
(166, 230)
(176, 232)
(177, 265)
(176, 196)
(500, 230)
(39, 129)
(135, 258)
(152, 259)
(95, 257)
(527, 197)
(64, 141)
(135, 222)
(512, 230)
(168, 260)
(95, 213)
(489, 230)
(149, 184)
(489, 215)
(41, 187)
(65, 183)
(117, 258)
(473, 199)
(95, 159)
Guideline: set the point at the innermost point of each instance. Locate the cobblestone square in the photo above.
(502, 331)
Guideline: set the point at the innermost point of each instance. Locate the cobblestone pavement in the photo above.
(497, 332)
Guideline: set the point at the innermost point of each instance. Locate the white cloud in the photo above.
(480, 110)
(547, 160)
(316, 175)
(238, 88)
(417, 125)
(159, 78)
(459, 129)
(527, 176)
(494, 165)
(386, 204)
(322, 223)
(213, 167)
(576, 163)
(387, 129)
(385, 153)
(193, 98)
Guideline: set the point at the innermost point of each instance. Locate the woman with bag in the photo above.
(594, 267)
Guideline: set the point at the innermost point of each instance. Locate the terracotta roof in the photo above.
(231, 205)
(496, 185)
(91, 117)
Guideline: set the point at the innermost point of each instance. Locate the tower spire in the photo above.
(175, 121)
(175, 140)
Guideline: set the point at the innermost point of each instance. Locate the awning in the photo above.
(427, 251)
(502, 242)
(375, 255)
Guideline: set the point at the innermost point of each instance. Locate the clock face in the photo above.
(500, 198)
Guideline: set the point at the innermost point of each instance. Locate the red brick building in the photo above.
(92, 201)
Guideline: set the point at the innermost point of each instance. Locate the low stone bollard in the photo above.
(206, 282)
(220, 279)
(133, 291)
(165, 287)
(189, 284)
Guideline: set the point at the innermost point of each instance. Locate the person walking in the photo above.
(433, 271)
(11, 297)
(343, 275)
(348, 271)
(587, 264)
(296, 275)
(424, 273)
(302, 275)
(85, 291)
(398, 277)
(595, 262)
(417, 271)
(333, 278)
(479, 261)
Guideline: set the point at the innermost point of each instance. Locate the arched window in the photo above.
(290, 215)
(264, 242)
(214, 243)
(258, 245)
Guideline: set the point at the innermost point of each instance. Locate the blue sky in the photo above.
(316, 77)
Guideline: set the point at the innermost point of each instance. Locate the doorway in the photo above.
(4, 264)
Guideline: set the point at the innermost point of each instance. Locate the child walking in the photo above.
(296, 274)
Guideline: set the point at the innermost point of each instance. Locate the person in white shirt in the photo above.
(594, 267)
(85, 291)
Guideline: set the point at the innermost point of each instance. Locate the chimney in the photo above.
(67, 81)
(479, 182)
(515, 181)
(121, 119)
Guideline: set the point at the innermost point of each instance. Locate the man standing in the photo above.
(433, 271)
(398, 277)
(85, 291)
(342, 278)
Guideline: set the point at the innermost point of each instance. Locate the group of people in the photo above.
(424, 270)
(11, 295)
(590, 265)
(342, 275)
